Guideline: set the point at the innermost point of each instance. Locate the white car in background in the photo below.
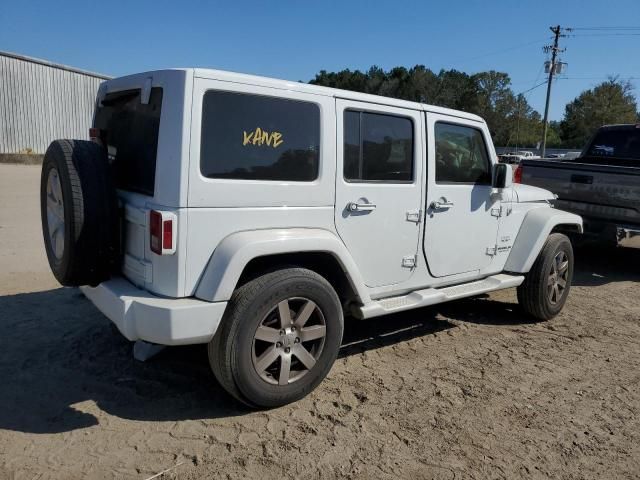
(571, 155)
(517, 157)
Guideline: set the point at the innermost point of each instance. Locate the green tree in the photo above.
(505, 113)
(554, 139)
(610, 102)
(510, 118)
(454, 89)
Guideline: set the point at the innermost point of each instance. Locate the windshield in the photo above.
(615, 144)
(129, 130)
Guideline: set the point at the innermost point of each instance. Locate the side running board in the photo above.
(432, 296)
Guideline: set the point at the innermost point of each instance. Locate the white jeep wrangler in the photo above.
(252, 214)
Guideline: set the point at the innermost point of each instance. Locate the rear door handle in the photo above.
(361, 206)
(441, 203)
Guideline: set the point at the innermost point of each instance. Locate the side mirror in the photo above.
(502, 176)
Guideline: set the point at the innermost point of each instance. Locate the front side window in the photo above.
(461, 155)
(377, 147)
(255, 137)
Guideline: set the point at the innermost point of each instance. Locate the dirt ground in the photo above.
(471, 389)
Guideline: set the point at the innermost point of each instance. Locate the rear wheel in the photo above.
(279, 338)
(546, 286)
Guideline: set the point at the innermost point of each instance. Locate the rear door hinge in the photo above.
(491, 251)
(409, 262)
(414, 216)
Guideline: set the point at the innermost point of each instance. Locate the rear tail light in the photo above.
(95, 135)
(162, 232)
(517, 175)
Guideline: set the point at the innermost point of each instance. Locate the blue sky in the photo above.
(294, 40)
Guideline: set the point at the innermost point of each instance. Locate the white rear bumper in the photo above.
(140, 315)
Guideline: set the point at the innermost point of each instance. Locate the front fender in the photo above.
(536, 227)
(235, 251)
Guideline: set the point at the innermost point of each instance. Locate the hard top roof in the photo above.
(243, 78)
(326, 91)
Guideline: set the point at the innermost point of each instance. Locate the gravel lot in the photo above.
(471, 389)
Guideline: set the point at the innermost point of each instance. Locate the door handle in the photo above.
(441, 203)
(360, 206)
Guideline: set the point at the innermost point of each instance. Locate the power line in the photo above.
(504, 50)
(600, 78)
(538, 74)
(589, 77)
(604, 31)
(605, 28)
(615, 34)
(519, 115)
(596, 74)
(532, 88)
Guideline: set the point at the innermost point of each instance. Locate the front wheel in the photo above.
(546, 287)
(278, 339)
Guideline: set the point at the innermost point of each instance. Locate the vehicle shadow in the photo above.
(484, 310)
(599, 264)
(371, 334)
(59, 358)
(59, 355)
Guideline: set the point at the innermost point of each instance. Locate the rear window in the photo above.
(252, 137)
(615, 144)
(130, 131)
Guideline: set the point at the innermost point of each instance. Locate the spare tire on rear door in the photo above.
(79, 210)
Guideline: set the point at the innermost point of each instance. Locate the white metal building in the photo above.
(42, 101)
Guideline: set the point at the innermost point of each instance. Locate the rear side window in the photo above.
(254, 137)
(377, 147)
(461, 155)
(129, 129)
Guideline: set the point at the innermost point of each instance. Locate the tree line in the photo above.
(512, 121)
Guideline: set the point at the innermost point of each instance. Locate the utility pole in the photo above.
(552, 70)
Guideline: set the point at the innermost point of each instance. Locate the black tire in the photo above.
(90, 229)
(231, 351)
(535, 295)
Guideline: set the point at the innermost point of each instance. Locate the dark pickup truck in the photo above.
(602, 184)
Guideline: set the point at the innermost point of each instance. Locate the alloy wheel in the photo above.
(289, 341)
(558, 277)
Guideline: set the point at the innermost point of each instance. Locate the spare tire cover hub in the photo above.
(55, 214)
